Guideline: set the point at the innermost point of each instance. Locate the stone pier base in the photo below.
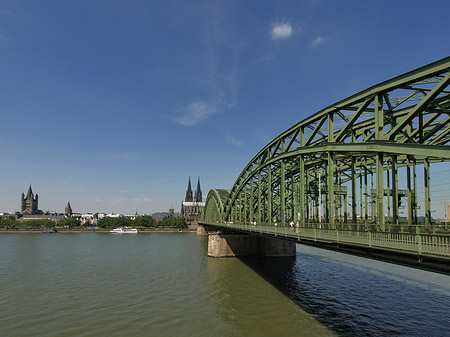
(201, 231)
(228, 245)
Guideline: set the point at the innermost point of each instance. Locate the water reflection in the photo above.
(250, 305)
(356, 296)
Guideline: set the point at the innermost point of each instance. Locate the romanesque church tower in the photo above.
(29, 204)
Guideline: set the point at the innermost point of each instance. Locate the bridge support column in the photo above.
(201, 231)
(240, 245)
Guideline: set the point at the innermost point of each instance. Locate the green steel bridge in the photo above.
(334, 177)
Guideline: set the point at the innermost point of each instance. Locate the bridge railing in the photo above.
(416, 239)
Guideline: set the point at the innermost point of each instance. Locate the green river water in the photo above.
(146, 284)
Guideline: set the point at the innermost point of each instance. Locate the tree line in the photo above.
(140, 221)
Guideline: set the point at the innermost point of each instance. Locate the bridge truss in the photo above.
(341, 164)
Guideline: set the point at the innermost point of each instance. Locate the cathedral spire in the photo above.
(189, 192)
(198, 192)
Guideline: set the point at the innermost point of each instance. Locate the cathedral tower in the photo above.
(198, 192)
(189, 197)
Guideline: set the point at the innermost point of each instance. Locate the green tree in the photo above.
(10, 222)
(69, 222)
(144, 221)
(114, 222)
(38, 223)
(173, 222)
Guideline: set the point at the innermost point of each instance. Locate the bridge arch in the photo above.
(215, 205)
(342, 163)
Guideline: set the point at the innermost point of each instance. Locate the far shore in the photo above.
(89, 230)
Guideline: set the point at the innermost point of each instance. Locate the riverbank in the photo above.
(89, 230)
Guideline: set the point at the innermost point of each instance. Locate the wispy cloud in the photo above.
(318, 40)
(281, 30)
(141, 199)
(197, 112)
(116, 200)
(9, 22)
(11, 18)
(217, 75)
(5, 40)
(234, 141)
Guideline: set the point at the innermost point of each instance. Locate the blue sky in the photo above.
(112, 105)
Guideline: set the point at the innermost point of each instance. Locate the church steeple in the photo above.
(189, 192)
(68, 210)
(29, 204)
(198, 192)
(30, 193)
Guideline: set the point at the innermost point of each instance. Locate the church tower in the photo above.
(22, 202)
(68, 210)
(189, 197)
(29, 204)
(198, 192)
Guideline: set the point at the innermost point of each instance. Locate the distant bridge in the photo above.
(334, 177)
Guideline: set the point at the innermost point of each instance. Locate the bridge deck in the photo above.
(415, 249)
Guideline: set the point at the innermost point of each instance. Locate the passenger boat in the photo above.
(124, 230)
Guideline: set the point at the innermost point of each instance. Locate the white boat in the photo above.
(124, 230)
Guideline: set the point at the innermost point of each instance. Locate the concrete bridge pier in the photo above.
(201, 231)
(245, 245)
(231, 244)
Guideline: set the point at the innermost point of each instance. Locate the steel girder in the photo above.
(399, 123)
(215, 204)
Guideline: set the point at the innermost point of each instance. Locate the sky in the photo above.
(112, 105)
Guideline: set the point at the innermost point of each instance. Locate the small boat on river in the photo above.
(51, 230)
(124, 230)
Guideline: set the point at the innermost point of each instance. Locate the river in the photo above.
(163, 284)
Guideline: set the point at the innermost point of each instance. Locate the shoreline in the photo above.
(89, 230)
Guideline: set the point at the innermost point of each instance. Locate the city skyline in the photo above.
(30, 194)
(111, 107)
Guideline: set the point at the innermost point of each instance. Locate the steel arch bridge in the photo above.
(341, 165)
